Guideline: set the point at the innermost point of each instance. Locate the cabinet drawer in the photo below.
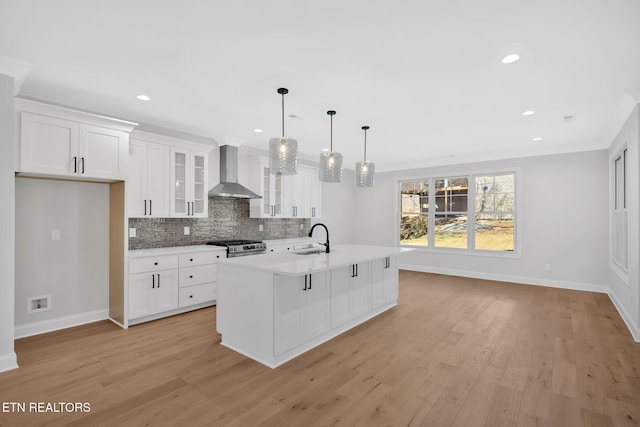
(189, 260)
(197, 294)
(141, 265)
(199, 274)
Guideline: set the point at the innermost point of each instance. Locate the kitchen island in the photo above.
(274, 307)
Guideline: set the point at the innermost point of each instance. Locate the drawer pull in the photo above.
(191, 277)
(191, 260)
(155, 263)
(190, 296)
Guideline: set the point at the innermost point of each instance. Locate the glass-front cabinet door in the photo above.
(189, 198)
(200, 198)
(179, 189)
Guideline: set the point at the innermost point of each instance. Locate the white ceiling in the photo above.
(425, 75)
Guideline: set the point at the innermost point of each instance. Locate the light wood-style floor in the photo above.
(455, 351)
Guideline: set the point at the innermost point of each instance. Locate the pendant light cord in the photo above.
(331, 113)
(365, 128)
(283, 115)
(283, 91)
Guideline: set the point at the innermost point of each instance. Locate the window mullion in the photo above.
(431, 225)
(471, 212)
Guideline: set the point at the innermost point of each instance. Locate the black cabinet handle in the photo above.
(191, 259)
(158, 280)
(153, 281)
(145, 207)
(305, 282)
(356, 270)
(191, 277)
(193, 208)
(188, 209)
(75, 164)
(309, 282)
(155, 263)
(218, 256)
(82, 164)
(353, 270)
(150, 208)
(190, 296)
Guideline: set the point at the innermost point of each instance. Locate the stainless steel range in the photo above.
(237, 247)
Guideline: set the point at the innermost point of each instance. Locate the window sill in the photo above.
(465, 252)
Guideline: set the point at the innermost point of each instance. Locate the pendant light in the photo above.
(365, 171)
(330, 162)
(283, 152)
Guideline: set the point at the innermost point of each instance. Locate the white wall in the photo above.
(338, 210)
(626, 293)
(7, 219)
(73, 270)
(564, 222)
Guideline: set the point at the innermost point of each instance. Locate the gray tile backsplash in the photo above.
(228, 218)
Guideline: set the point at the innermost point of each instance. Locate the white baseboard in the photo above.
(577, 286)
(628, 320)
(30, 329)
(8, 362)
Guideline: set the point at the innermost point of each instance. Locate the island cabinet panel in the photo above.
(276, 306)
(290, 312)
(384, 281)
(350, 293)
(301, 309)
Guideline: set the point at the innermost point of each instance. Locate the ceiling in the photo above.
(425, 75)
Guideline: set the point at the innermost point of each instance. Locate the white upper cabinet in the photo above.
(288, 196)
(270, 187)
(103, 152)
(313, 194)
(167, 177)
(149, 179)
(189, 179)
(60, 142)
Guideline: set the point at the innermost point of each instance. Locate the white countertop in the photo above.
(290, 241)
(175, 250)
(291, 264)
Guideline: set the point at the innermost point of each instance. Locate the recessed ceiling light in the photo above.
(510, 59)
(537, 138)
(528, 113)
(143, 97)
(257, 130)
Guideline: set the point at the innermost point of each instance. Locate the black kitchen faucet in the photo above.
(325, 229)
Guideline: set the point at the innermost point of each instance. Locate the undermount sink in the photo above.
(311, 252)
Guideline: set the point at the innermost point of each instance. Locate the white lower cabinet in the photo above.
(350, 293)
(384, 281)
(164, 283)
(301, 309)
(152, 292)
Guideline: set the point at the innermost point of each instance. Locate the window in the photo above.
(472, 212)
(450, 224)
(620, 214)
(494, 212)
(414, 206)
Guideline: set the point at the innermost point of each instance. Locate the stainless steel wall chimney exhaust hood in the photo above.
(229, 186)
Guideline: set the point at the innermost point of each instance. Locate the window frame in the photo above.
(616, 211)
(471, 211)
